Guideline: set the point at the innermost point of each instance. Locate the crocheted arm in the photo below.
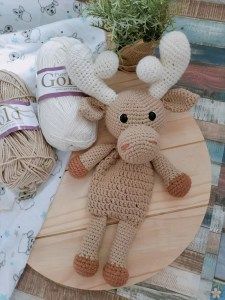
(80, 165)
(177, 183)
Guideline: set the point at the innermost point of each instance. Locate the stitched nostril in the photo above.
(124, 147)
(152, 142)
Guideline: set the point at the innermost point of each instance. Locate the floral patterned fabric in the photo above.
(26, 14)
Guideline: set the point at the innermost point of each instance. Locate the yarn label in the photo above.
(15, 116)
(55, 82)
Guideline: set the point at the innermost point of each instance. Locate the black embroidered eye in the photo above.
(123, 118)
(152, 116)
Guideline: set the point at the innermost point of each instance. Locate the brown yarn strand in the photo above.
(26, 160)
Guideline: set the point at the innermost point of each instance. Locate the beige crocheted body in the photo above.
(120, 190)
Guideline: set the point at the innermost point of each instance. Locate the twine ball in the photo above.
(62, 125)
(26, 160)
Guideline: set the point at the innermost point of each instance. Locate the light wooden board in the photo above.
(159, 241)
(169, 227)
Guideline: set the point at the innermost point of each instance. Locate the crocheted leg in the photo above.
(115, 271)
(86, 261)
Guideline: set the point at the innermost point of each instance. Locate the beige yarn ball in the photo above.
(26, 160)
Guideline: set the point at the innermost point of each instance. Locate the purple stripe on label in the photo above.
(50, 69)
(18, 128)
(61, 94)
(14, 101)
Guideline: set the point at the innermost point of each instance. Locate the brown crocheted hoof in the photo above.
(180, 185)
(85, 266)
(76, 168)
(115, 275)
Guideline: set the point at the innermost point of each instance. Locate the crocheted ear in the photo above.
(179, 100)
(162, 74)
(92, 109)
(87, 75)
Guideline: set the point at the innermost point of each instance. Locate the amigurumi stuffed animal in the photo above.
(123, 180)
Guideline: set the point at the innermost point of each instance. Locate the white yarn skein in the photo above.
(62, 125)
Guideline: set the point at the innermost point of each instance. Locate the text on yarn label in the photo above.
(55, 82)
(15, 116)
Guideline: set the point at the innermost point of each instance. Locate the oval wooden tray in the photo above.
(169, 227)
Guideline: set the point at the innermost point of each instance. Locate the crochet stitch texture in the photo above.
(123, 180)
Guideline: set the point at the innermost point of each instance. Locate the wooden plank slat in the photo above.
(157, 232)
(180, 281)
(202, 32)
(220, 266)
(189, 261)
(210, 10)
(217, 197)
(216, 151)
(213, 242)
(208, 217)
(221, 181)
(209, 266)
(212, 248)
(207, 55)
(68, 212)
(199, 243)
(208, 81)
(215, 169)
(212, 131)
(217, 219)
(144, 292)
(210, 111)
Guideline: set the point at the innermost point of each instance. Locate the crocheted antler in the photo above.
(88, 75)
(162, 74)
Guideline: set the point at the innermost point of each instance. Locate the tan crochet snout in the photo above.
(138, 144)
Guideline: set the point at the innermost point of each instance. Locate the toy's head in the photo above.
(134, 117)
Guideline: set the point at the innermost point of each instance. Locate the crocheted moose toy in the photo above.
(123, 180)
